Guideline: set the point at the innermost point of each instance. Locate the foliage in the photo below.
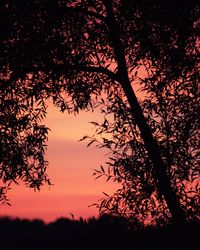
(68, 51)
(173, 115)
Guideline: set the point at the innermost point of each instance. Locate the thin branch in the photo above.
(101, 70)
(62, 69)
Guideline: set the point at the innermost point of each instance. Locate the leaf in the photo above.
(83, 138)
(105, 194)
(109, 177)
(102, 169)
(90, 143)
(98, 177)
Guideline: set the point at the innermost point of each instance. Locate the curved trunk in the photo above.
(164, 185)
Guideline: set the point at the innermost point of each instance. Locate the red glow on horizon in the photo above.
(71, 165)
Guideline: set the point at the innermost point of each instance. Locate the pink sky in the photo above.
(71, 166)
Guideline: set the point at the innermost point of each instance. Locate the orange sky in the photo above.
(71, 166)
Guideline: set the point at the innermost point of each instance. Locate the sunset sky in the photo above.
(71, 166)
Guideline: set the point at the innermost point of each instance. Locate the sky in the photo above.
(71, 164)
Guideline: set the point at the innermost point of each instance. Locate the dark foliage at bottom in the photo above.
(94, 234)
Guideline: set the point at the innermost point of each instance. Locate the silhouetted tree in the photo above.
(172, 113)
(78, 52)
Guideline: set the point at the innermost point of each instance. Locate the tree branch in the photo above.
(62, 69)
(102, 70)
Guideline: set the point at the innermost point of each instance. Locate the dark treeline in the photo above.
(103, 233)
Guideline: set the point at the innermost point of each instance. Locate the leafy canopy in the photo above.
(62, 50)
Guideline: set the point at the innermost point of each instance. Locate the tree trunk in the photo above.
(164, 185)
